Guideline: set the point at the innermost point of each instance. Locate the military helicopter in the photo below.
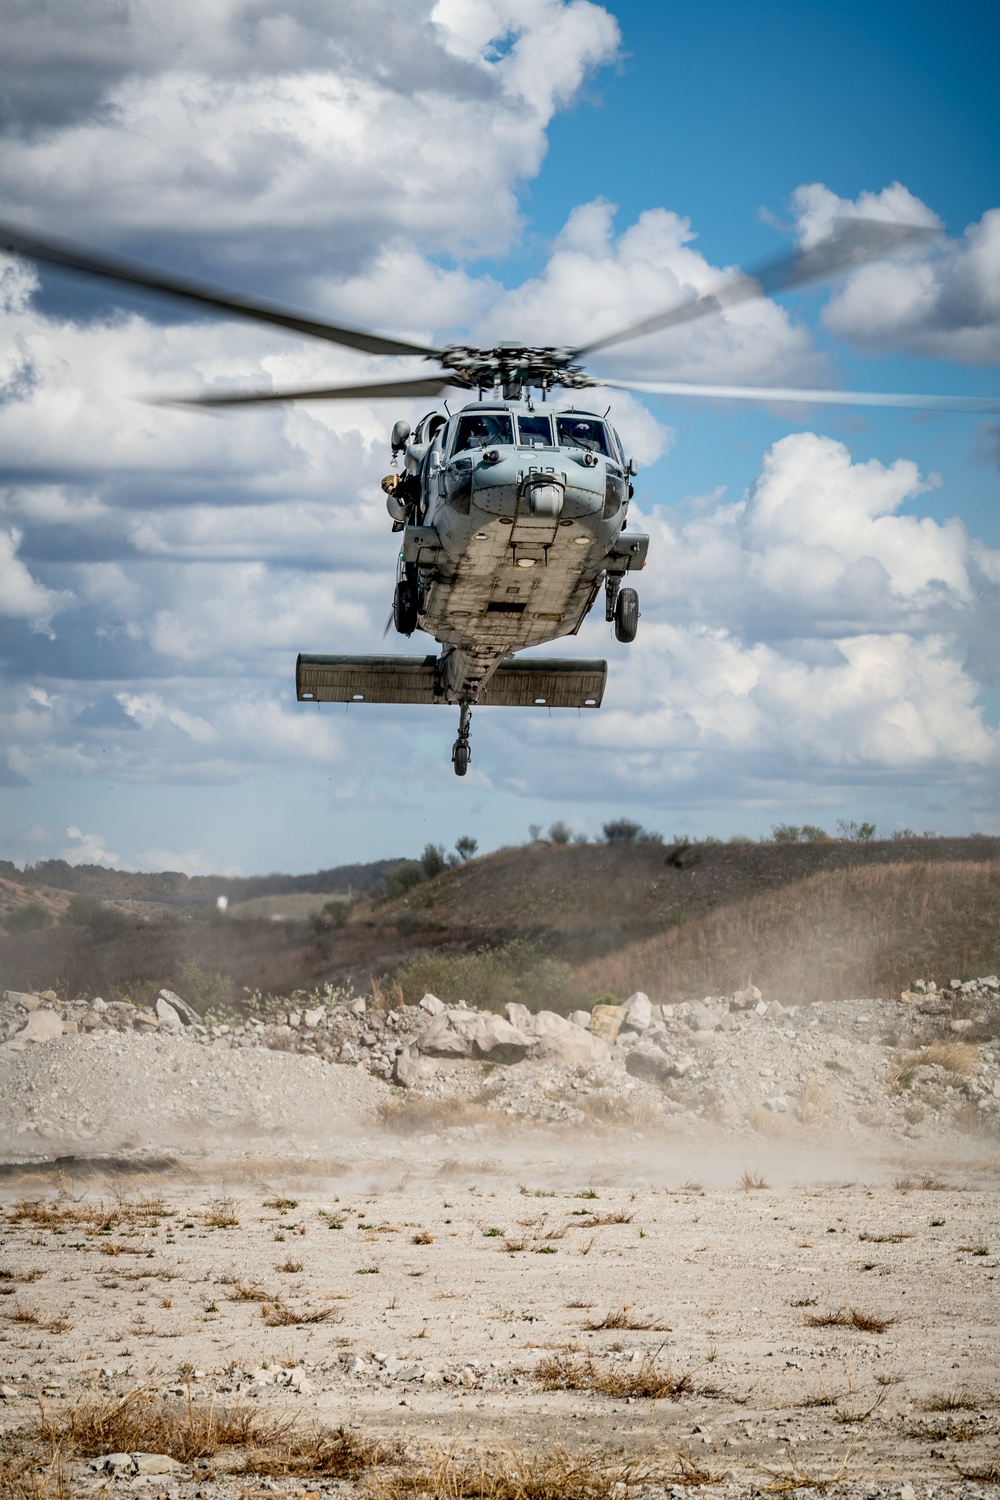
(513, 512)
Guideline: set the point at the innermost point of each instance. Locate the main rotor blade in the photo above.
(432, 386)
(857, 241)
(796, 393)
(91, 263)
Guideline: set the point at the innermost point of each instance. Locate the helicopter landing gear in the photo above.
(461, 751)
(612, 583)
(626, 616)
(404, 606)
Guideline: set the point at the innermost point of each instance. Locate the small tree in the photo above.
(534, 832)
(465, 847)
(785, 833)
(622, 831)
(814, 835)
(559, 833)
(860, 833)
(433, 860)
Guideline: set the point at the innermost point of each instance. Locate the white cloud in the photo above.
(21, 596)
(941, 300)
(319, 131)
(596, 282)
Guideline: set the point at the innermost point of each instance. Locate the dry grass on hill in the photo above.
(869, 930)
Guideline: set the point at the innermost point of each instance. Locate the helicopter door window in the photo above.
(534, 432)
(582, 432)
(483, 431)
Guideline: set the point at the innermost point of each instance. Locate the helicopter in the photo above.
(513, 512)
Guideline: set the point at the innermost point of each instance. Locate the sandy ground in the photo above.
(445, 1278)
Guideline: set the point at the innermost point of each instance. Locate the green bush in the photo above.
(465, 847)
(559, 833)
(101, 920)
(27, 918)
(625, 831)
(488, 980)
(205, 989)
(785, 833)
(403, 878)
(433, 860)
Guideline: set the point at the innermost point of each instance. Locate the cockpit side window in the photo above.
(534, 432)
(483, 430)
(582, 432)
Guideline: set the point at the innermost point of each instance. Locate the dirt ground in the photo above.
(835, 1330)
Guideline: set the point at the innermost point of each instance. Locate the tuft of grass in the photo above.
(850, 1317)
(290, 1265)
(555, 1475)
(282, 1204)
(959, 1400)
(884, 1239)
(648, 1380)
(598, 1221)
(927, 1183)
(423, 1238)
(625, 1318)
(750, 1181)
(280, 1316)
(248, 1291)
(221, 1214)
(142, 1421)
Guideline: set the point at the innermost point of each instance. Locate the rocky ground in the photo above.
(723, 1247)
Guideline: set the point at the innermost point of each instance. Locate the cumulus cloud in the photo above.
(940, 300)
(596, 282)
(289, 132)
(21, 596)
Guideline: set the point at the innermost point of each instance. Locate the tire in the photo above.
(626, 616)
(404, 607)
(460, 758)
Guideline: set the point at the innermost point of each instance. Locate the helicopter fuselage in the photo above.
(521, 517)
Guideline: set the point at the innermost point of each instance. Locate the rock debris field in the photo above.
(722, 1248)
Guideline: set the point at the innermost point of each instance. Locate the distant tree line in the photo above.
(173, 888)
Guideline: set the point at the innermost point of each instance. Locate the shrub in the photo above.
(403, 878)
(492, 978)
(559, 833)
(859, 833)
(814, 835)
(27, 918)
(433, 860)
(90, 912)
(625, 831)
(785, 833)
(465, 847)
(207, 990)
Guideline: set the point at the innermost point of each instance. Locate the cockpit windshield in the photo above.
(534, 432)
(483, 430)
(582, 432)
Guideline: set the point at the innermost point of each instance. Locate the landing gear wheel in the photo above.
(461, 751)
(626, 616)
(404, 606)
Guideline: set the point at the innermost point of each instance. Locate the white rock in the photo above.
(299, 1381)
(313, 1018)
(760, 1008)
(580, 1018)
(348, 1053)
(358, 1008)
(188, 1016)
(23, 998)
(431, 1004)
(638, 1012)
(465, 1034)
(520, 1016)
(41, 1026)
(167, 1016)
(562, 1042)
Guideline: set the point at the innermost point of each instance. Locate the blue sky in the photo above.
(821, 603)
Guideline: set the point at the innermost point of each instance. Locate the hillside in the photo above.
(824, 919)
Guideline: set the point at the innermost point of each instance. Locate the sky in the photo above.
(821, 605)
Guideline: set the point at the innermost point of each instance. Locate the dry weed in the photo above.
(142, 1421)
(512, 1476)
(423, 1238)
(290, 1265)
(598, 1221)
(625, 1318)
(563, 1373)
(959, 1400)
(751, 1181)
(884, 1239)
(815, 1103)
(221, 1214)
(850, 1317)
(279, 1316)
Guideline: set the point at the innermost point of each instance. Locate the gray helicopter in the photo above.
(513, 513)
